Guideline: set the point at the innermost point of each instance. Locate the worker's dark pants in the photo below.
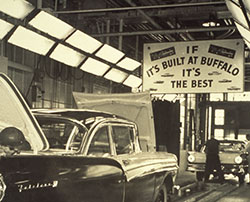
(213, 163)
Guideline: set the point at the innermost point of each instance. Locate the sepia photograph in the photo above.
(125, 100)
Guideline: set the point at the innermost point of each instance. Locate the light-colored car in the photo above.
(232, 156)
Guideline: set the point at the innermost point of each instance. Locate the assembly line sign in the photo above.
(215, 66)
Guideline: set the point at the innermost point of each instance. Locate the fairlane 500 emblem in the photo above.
(22, 187)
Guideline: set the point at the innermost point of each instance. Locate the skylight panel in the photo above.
(95, 67)
(84, 42)
(133, 81)
(129, 64)
(51, 25)
(30, 40)
(110, 54)
(67, 55)
(116, 75)
(16, 8)
(5, 27)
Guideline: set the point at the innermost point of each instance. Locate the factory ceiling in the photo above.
(151, 20)
(129, 24)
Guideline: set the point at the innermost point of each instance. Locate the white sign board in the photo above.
(214, 66)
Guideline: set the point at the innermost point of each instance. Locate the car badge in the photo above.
(26, 187)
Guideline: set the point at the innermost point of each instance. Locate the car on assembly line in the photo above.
(232, 156)
(97, 134)
(88, 168)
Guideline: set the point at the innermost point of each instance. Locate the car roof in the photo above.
(78, 114)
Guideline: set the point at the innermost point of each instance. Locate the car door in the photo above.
(99, 146)
(139, 187)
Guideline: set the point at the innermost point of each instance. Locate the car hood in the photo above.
(225, 157)
(16, 113)
(136, 107)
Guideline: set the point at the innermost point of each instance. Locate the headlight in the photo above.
(191, 158)
(238, 160)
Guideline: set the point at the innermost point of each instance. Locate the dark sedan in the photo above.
(90, 133)
(96, 160)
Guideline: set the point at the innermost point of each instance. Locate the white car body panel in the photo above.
(136, 107)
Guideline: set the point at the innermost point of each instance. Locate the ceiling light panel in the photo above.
(237, 13)
(84, 42)
(133, 81)
(51, 25)
(129, 64)
(16, 8)
(5, 27)
(95, 67)
(30, 40)
(67, 55)
(110, 54)
(116, 75)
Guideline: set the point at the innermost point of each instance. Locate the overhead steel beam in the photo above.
(168, 31)
(151, 20)
(142, 7)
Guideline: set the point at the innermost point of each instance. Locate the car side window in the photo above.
(62, 134)
(75, 139)
(123, 137)
(100, 144)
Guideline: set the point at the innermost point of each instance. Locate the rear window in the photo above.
(62, 134)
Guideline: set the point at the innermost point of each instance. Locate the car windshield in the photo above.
(18, 129)
(62, 134)
(231, 146)
(228, 146)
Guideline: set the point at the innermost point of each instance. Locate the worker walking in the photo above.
(213, 160)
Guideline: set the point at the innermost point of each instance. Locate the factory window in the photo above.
(219, 117)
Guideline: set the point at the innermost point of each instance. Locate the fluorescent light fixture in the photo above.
(110, 54)
(30, 40)
(237, 13)
(51, 25)
(245, 33)
(67, 55)
(133, 81)
(210, 24)
(128, 64)
(84, 42)
(94, 66)
(116, 75)
(16, 8)
(5, 27)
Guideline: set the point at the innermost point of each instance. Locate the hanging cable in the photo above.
(34, 76)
